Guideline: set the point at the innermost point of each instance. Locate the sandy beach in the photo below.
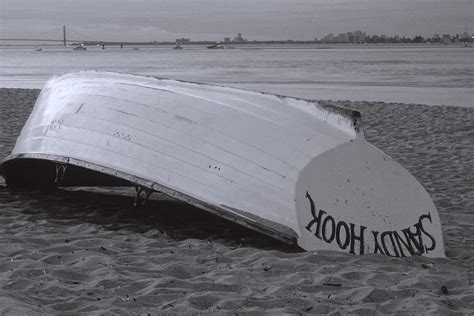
(90, 251)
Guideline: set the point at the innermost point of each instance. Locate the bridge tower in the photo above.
(64, 35)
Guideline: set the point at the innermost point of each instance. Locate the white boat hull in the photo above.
(289, 168)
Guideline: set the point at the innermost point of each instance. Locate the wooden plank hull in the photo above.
(289, 168)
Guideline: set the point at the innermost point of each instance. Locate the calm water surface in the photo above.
(426, 75)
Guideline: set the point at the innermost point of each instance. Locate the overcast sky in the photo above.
(147, 20)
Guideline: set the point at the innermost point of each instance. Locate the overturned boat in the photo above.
(289, 168)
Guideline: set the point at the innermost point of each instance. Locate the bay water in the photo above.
(433, 75)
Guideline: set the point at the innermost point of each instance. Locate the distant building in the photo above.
(466, 37)
(358, 37)
(355, 37)
(328, 38)
(183, 41)
(350, 37)
(239, 39)
(446, 39)
(342, 38)
(227, 40)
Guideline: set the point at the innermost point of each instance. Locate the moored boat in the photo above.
(80, 47)
(216, 46)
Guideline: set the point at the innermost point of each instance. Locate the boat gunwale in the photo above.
(254, 222)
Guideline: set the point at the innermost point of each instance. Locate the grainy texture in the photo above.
(92, 252)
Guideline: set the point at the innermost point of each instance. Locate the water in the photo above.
(414, 74)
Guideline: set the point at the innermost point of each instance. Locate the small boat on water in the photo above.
(293, 169)
(39, 49)
(178, 47)
(216, 46)
(80, 47)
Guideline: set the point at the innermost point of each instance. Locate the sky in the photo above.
(161, 20)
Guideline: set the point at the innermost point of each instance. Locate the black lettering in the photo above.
(360, 238)
(399, 240)
(333, 229)
(376, 242)
(316, 218)
(342, 245)
(413, 241)
(384, 245)
(420, 225)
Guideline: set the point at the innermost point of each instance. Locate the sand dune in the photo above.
(90, 251)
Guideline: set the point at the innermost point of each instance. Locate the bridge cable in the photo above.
(68, 29)
(35, 35)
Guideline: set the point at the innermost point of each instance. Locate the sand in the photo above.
(78, 251)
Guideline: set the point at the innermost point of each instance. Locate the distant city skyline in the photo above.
(163, 20)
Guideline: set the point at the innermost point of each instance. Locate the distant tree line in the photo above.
(394, 39)
(359, 37)
(366, 39)
(416, 39)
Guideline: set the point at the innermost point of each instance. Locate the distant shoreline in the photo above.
(434, 75)
(249, 45)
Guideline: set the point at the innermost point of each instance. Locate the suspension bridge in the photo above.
(60, 35)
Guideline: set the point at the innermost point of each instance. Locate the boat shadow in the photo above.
(112, 209)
